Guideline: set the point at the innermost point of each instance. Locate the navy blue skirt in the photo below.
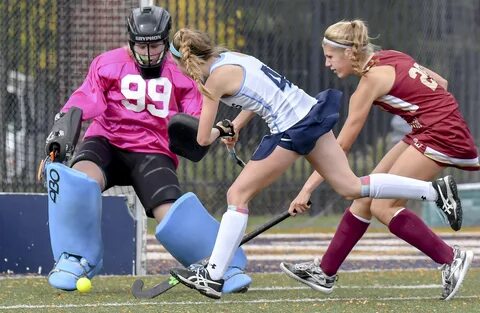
(303, 136)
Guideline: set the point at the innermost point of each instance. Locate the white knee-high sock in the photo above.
(386, 186)
(232, 229)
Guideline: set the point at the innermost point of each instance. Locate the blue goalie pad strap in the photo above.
(68, 270)
(188, 232)
(74, 213)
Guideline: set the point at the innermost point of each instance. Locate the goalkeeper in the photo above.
(131, 93)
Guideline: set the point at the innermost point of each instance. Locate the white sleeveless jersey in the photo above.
(279, 102)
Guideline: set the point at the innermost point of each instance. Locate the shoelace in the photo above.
(307, 265)
(449, 270)
(201, 274)
(445, 268)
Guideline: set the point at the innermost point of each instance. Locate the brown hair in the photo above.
(355, 34)
(195, 48)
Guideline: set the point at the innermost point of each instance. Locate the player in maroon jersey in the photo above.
(439, 138)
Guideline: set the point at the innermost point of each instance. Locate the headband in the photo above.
(175, 52)
(336, 44)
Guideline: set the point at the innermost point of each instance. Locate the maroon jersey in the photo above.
(438, 128)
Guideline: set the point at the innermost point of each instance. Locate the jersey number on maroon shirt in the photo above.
(424, 78)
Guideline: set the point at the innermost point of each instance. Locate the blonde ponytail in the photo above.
(195, 49)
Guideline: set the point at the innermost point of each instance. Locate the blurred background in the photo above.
(48, 45)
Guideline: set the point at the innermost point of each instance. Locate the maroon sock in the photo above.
(409, 227)
(348, 233)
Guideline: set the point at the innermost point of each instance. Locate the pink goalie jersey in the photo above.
(438, 128)
(131, 112)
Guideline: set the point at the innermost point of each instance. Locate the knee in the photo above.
(92, 170)
(238, 195)
(384, 209)
(233, 194)
(160, 211)
(376, 211)
(361, 207)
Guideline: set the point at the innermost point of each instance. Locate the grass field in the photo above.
(399, 291)
(361, 290)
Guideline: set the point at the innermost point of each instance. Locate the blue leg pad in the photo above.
(189, 232)
(74, 217)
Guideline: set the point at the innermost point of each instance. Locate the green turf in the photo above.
(356, 292)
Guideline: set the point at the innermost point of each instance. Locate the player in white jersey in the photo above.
(279, 102)
(300, 125)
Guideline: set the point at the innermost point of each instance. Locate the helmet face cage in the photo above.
(148, 54)
(148, 29)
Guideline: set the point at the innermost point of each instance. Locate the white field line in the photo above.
(315, 247)
(219, 302)
(431, 286)
(366, 270)
(330, 235)
(294, 257)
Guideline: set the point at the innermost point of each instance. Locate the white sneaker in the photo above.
(198, 278)
(310, 274)
(454, 273)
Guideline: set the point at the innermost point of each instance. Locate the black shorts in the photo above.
(152, 176)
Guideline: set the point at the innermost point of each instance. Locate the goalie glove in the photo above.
(61, 141)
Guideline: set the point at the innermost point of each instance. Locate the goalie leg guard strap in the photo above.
(189, 232)
(74, 214)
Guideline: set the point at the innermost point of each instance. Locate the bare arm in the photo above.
(225, 80)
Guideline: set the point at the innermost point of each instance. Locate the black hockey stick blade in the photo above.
(139, 293)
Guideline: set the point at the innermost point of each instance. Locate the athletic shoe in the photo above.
(310, 274)
(454, 273)
(197, 277)
(448, 201)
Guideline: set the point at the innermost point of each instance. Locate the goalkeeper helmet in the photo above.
(148, 30)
